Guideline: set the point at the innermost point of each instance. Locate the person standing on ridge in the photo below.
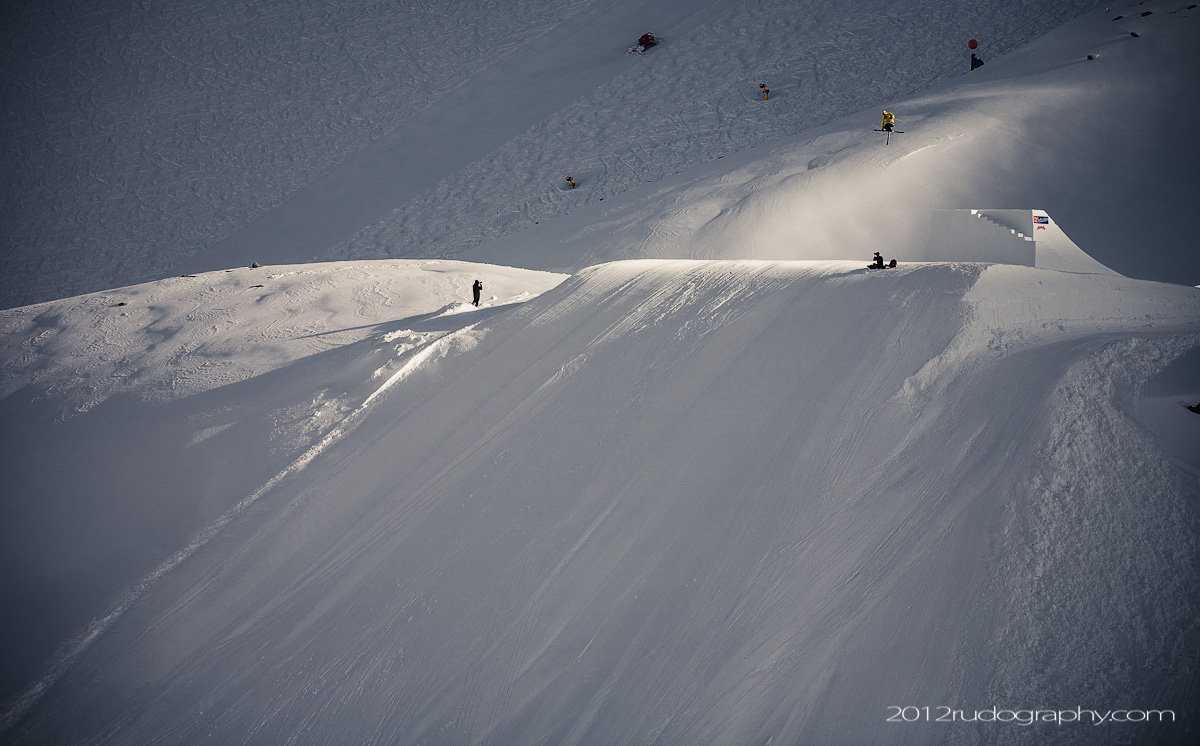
(476, 289)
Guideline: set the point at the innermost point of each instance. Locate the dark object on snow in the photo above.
(256, 265)
(766, 91)
(1148, 13)
(975, 61)
(1118, 18)
(570, 182)
(1134, 34)
(645, 41)
(892, 264)
(878, 263)
(1090, 57)
(1195, 408)
(476, 289)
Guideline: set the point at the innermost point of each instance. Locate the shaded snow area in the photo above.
(145, 140)
(662, 502)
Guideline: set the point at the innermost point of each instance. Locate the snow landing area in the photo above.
(662, 501)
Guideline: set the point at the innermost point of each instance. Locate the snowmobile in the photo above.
(646, 41)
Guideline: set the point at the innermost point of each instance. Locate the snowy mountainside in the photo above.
(680, 501)
(1098, 144)
(713, 495)
(182, 336)
(135, 134)
(136, 418)
(142, 141)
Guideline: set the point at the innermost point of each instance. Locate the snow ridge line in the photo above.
(17, 706)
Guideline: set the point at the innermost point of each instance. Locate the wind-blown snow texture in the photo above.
(712, 495)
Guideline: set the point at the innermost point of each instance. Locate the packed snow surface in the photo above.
(718, 484)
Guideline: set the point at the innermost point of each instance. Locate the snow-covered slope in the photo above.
(1102, 145)
(136, 420)
(717, 502)
(180, 337)
(146, 141)
(713, 495)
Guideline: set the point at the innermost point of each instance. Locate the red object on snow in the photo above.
(972, 44)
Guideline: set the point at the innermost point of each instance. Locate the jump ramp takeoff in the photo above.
(1029, 238)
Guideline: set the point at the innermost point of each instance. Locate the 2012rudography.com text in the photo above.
(1026, 717)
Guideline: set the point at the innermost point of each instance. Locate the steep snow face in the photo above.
(684, 502)
(138, 421)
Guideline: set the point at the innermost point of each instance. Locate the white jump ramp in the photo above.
(1028, 238)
